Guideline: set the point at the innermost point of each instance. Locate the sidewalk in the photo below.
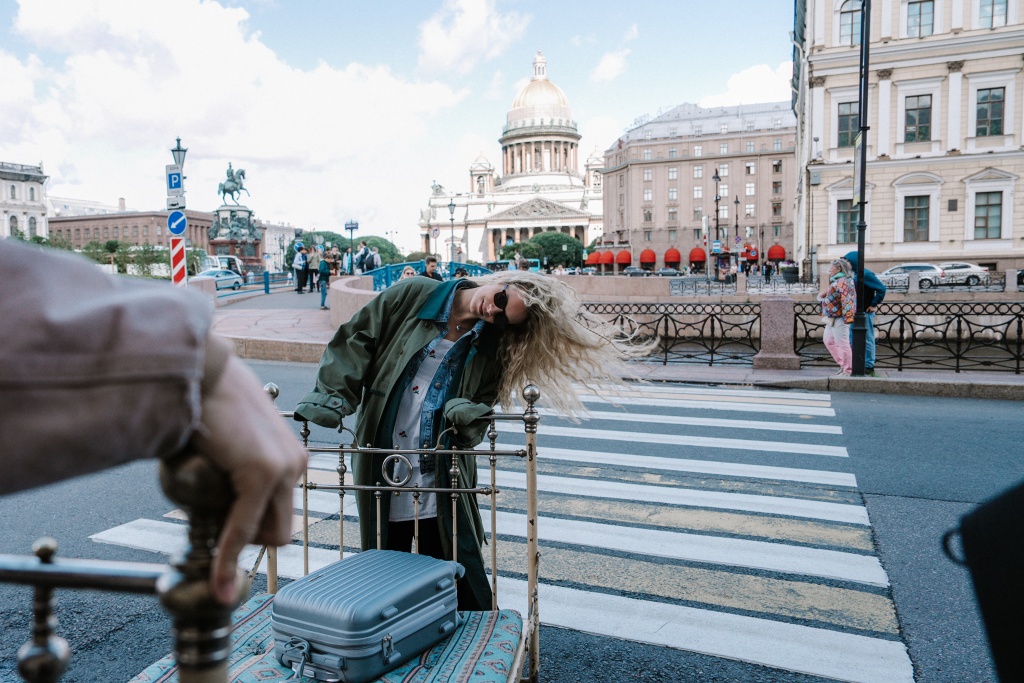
(290, 327)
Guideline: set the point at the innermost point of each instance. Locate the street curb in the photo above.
(288, 351)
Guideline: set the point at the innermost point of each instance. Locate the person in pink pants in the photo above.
(838, 303)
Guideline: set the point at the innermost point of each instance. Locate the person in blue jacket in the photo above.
(874, 293)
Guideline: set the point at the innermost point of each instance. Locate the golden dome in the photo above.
(540, 100)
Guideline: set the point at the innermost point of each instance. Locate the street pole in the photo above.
(352, 226)
(736, 242)
(860, 329)
(451, 260)
(718, 234)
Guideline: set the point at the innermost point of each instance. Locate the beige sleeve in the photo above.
(95, 370)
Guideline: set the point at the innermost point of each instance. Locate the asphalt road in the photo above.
(920, 463)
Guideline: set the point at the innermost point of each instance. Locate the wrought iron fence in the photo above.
(987, 282)
(777, 285)
(699, 334)
(958, 336)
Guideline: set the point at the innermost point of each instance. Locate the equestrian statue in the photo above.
(233, 185)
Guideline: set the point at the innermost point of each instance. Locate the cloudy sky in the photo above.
(348, 110)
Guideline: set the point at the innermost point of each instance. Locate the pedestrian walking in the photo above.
(300, 264)
(323, 281)
(767, 273)
(313, 263)
(838, 302)
(874, 294)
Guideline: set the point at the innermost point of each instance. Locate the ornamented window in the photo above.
(673, 216)
(920, 18)
(647, 235)
(849, 23)
(918, 119)
(31, 194)
(915, 218)
(776, 187)
(32, 226)
(990, 112)
(992, 13)
(698, 213)
(847, 222)
(648, 217)
(849, 123)
(673, 194)
(648, 194)
(698, 234)
(776, 209)
(777, 166)
(14, 193)
(988, 215)
(671, 235)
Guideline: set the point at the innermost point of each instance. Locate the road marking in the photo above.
(678, 440)
(691, 389)
(615, 396)
(727, 469)
(706, 422)
(747, 407)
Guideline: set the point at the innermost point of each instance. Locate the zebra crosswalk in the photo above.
(671, 519)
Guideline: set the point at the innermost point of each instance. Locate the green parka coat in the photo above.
(361, 367)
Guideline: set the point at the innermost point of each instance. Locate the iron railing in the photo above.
(958, 336)
(700, 334)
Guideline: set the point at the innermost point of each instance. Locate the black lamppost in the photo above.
(451, 260)
(736, 242)
(718, 235)
(860, 320)
(352, 226)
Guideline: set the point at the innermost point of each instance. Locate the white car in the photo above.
(226, 279)
(959, 273)
(899, 276)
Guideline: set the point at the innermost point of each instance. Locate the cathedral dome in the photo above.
(540, 102)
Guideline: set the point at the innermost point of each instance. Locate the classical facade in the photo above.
(538, 188)
(22, 200)
(945, 170)
(660, 183)
(134, 227)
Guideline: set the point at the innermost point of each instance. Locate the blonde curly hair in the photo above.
(561, 346)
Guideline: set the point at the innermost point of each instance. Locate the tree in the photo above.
(145, 257)
(421, 255)
(96, 251)
(550, 244)
(524, 249)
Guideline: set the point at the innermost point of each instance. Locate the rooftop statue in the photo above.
(233, 185)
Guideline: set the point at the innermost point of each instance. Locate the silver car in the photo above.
(959, 273)
(899, 276)
(225, 278)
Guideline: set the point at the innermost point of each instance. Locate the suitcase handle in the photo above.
(391, 655)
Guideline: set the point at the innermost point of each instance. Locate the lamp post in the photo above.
(718, 235)
(451, 260)
(178, 152)
(352, 226)
(736, 242)
(860, 319)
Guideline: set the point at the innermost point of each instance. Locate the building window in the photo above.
(698, 234)
(32, 226)
(751, 168)
(750, 148)
(918, 119)
(776, 230)
(671, 152)
(723, 148)
(777, 166)
(698, 171)
(777, 144)
(31, 194)
(723, 190)
(849, 23)
(698, 150)
(849, 123)
(673, 173)
(776, 124)
(749, 189)
(135, 231)
(698, 130)
(847, 222)
(106, 231)
(647, 155)
(673, 215)
(86, 233)
(723, 170)
(648, 217)
(988, 215)
(648, 194)
(750, 126)
(671, 235)
(647, 235)
(992, 13)
(648, 174)
(776, 209)
(749, 211)
(698, 192)
(990, 112)
(145, 231)
(647, 135)
(776, 187)
(915, 218)
(723, 128)
(920, 18)
(622, 179)
(673, 194)
(621, 199)
(14, 194)
(698, 213)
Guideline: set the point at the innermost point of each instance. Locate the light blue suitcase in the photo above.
(357, 619)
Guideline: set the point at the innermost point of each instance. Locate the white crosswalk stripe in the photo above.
(771, 564)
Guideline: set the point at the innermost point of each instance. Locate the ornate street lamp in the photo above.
(178, 152)
(352, 226)
(451, 260)
(718, 234)
(736, 242)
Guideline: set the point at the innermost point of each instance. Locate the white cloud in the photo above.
(496, 89)
(598, 134)
(759, 83)
(319, 146)
(611, 66)
(632, 34)
(464, 31)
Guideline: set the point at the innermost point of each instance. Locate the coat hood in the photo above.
(851, 256)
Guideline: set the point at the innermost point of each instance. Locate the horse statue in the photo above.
(233, 185)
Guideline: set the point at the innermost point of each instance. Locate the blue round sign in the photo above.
(177, 222)
(298, 245)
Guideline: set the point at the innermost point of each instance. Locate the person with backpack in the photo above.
(323, 280)
(361, 257)
(874, 293)
(374, 260)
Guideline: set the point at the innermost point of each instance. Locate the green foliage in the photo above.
(60, 242)
(550, 244)
(194, 260)
(416, 256)
(96, 251)
(524, 249)
(145, 257)
(111, 246)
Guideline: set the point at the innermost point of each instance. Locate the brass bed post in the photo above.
(531, 393)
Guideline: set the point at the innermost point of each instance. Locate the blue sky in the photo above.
(342, 110)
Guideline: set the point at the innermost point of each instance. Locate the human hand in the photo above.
(243, 435)
(869, 309)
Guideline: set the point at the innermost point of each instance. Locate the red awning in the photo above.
(751, 252)
(624, 258)
(607, 258)
(648, 256)
(673, 256)
(697, 255)
(593, 258)
(776, 252)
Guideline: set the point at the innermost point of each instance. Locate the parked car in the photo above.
(589, 270)
(959, 273)
(669, 272)
(931, 275)
(633, 271)
(226, 279)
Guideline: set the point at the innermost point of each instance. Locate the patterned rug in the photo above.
(481, 649)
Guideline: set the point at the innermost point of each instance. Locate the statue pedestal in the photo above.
(233, 233)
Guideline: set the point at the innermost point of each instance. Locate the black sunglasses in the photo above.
(501, 301)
